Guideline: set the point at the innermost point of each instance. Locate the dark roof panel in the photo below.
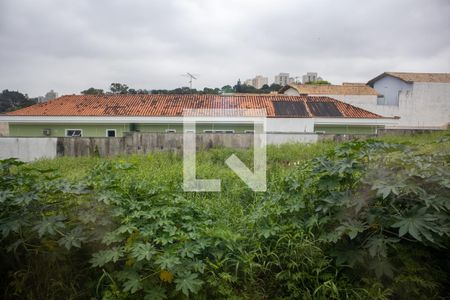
(290, 109)
(324, 109)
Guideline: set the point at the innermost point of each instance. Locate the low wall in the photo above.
(382, 132)
(27, 149)
(4, 129)
(142, 143)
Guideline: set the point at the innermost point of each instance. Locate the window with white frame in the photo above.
(74, 132)
(111, 133)
(171, 130)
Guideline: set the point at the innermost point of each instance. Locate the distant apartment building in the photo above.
(48, 96)
(248, 82)
(257, 82)
(310, 77)
(283, 79)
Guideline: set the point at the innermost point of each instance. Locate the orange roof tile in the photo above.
(173, 105)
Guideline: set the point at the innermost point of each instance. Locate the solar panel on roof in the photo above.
(324, 109)
(290, 108)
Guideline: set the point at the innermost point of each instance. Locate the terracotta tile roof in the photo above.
(173, 105)
(329, 89)
(415, 77)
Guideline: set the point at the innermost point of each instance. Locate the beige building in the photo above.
(248, 82)
(283, 79)
(311, 77)
(257, 82)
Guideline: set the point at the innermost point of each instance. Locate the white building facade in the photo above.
(421, 100)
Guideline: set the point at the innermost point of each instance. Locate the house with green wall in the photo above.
(116, 115)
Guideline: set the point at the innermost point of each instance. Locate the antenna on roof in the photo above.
(190, 78)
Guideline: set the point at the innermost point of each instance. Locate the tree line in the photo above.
(120, 88)
(13, 100)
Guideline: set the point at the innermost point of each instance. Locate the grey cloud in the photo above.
(72, 45)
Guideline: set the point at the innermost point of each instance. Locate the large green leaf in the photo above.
(101, 258)
(188, 283)
(141, 251)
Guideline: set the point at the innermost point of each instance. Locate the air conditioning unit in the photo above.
(47, 131)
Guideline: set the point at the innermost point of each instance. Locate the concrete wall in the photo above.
(4, 129)
(142, 143)
(27, 149)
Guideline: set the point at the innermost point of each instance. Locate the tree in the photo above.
(238, 86)
(12, 100)
(227, 89)
(119, 88)
(92, 91)
(318, 82)
(265, 89)
(249, 89)
(214, 91)
(275, 87)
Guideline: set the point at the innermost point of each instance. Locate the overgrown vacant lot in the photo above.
(357, 220)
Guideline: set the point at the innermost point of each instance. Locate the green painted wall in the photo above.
(96, 130)
(89, 130)
(238, 128)
(99, 130)
(346, 129)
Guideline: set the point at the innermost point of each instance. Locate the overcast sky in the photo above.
(72, 45)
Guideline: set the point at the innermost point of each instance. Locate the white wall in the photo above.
(290, 125)
(27, 149)
(426, 106)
